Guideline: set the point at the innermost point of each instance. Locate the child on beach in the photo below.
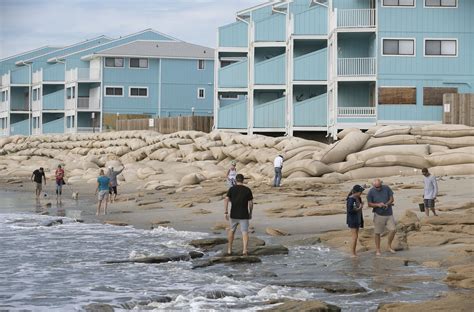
(355, 219)
(231, 174)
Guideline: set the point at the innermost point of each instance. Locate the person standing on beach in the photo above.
(355, 219)
(241, 200)
(231, 174)
(38, 176)
(430, 191)
(103, 184)
(278, 165)
(380, 198)
(59, 175)
(113, 183)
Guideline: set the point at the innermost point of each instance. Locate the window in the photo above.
(4, 96)
(441, 3)
(113, 91)
(441, 47)
(434, 96)
(403, 47)
(229, 96)
(397, 95)
(398, 3)
(36, 94)
(201, 64)
(138, 91)
(201, 93)
(138, 63)
(113, 62)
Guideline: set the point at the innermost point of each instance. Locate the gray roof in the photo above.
(159, 49)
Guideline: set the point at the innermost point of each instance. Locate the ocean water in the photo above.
(62, 268)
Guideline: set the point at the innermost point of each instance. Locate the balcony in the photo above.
(311, 112)
(88, 103)
(82, 75)
(54, 100)
(233, 116)
(271, 71)
(356, 112)
(271, 29)
(234, 35)
(20, 76)
(311, 66)
(234, 75)
(357, 67)
(50, 74)
(312, 22)
(54, 126)
(270, 114)
(356, 18)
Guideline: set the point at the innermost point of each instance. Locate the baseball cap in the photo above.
(357, 188)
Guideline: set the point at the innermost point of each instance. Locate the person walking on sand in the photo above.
(103, 184)
(430, 192)
(231, 174)
(380, 198)
(355, 219)
(59, 175)
(278, 165)
(241, 200)
(113, 183)
(38, 177)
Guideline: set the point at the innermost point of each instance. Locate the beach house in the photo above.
(325, 65)
(75, 89)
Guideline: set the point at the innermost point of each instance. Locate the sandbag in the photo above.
(145, 172)
(391, 140)
(346, 131)
(371, 131)
(442, 130)
(380, 172)
(192, 179)
(420, 150)
(298, 174)
(351, 143)
(313, 168)
(392, 130)
(464, 155)
(398, 160)
(345, 166)
(437, 148)
(464, 169)
(454, 142)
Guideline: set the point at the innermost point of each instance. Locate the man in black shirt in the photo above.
(38, 176)
(241, 198)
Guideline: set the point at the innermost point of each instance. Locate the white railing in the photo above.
(70, 130)
(36, 105)
(36, 131)
(38, 76)
(70, 104)
(82, 74)
(88, 103)
(358, 66)
(87, 129)
(3, 106)
(355, 18)
(6, 79)
(356, 111)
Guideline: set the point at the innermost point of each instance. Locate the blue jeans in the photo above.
(277, 180)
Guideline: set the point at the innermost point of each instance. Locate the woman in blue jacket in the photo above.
(355, 220)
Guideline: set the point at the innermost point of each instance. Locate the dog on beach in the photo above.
(75, 195)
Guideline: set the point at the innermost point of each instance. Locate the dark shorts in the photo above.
(429, 203)
(113, 189)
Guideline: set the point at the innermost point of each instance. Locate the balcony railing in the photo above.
(6, 79)
(88, 103)
(70, 104)
(82, 74)
(356, 111)
(36, 131)
(87, 129)
(37, 76)
(359, 66)
(3, 106)
(70, 130)
(356, 18)
(36, 105)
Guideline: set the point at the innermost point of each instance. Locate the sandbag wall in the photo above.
(189, 157)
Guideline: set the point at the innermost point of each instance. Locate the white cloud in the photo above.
(27, 24)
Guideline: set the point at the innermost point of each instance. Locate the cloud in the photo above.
(29, 24)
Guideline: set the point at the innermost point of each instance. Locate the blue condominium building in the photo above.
(326, 65)
(72, 89)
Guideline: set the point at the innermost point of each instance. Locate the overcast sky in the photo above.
(30, 24)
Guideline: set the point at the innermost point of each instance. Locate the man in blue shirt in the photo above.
(380, 198)
(103, 184)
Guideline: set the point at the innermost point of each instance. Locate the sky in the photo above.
(30, 24)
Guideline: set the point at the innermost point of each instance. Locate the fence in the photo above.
(167, 125)
(458, 109)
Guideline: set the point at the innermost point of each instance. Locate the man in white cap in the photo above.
(278, 165)
(113, 182)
